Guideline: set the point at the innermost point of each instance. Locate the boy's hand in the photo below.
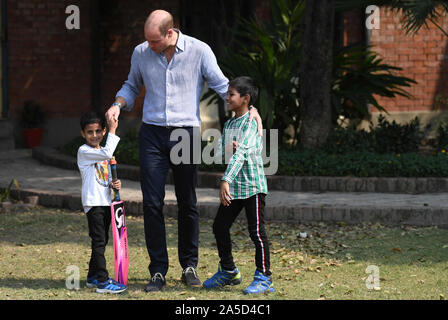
(234, 145)
(116, 185)
(231, 147)
(113, 125)
(253, 113)
(224, 193)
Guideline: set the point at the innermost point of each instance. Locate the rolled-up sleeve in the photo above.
(213, 74)
(131, 87)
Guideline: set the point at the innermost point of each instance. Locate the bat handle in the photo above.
(113, 169)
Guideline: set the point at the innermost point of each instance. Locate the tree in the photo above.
(216, 23)
(269, 52)
(316, 72)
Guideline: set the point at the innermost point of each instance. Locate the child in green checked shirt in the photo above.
(242, 186)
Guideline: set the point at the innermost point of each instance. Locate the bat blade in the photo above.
(120, 236)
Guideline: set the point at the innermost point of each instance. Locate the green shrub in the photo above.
(343, 140)
(386, 137)
(442, 137)
(396, 138)
(348, 153)
(127, 151)
(361, 164)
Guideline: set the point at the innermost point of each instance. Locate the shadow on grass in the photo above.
(37, 284)
(386, 245)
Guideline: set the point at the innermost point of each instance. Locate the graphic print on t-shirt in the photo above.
(102, 173)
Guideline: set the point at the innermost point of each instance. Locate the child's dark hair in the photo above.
(92, 117)
(245, 85)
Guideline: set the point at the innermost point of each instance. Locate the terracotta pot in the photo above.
(33, 136)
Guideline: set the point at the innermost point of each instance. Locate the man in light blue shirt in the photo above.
(173, 68)
(174, 86)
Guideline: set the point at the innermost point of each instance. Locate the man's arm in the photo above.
(126, 96)
(212, 73)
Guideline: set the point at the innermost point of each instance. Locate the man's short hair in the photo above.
(92, 117)
(245, 85)
(166, 24)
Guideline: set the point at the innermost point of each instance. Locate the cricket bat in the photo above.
(119, 231)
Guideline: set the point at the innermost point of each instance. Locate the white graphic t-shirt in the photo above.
(95, 173)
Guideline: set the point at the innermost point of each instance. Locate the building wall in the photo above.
(47, 62)
(122, 25)
(423, 57)
(51, 65)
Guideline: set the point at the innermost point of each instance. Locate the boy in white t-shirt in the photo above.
(93, 163)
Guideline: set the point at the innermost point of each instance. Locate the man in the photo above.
(172, 67)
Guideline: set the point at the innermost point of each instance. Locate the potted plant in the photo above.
(32, 119)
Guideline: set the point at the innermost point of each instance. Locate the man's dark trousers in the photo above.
(155, 161)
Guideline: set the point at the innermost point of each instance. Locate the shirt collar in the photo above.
(180, 45)
(242, 116)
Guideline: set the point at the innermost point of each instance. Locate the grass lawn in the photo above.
(37, 245)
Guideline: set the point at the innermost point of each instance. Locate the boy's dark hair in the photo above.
(92, 117)
(245, 85)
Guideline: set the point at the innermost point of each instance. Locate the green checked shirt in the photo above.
(244, 173)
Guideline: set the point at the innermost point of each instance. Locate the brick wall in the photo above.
(47, 62)
(122, 25)
(423, 57)
(52, 65)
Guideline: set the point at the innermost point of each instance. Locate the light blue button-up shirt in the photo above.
(173, 90)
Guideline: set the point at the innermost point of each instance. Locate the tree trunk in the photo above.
(316, 73)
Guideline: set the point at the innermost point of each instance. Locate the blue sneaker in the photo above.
(261, 284)
(91, 282)
(110, 286)
(223, 278)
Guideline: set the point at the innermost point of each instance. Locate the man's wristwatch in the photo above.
(117, 104)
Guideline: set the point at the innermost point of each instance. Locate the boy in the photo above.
(96, 195)
(242, 186)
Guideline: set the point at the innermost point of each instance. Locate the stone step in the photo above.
(408, 185)
(385, 214)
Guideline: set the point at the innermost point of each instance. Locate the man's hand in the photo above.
(224, 193)
(253, 113)
(112, 113)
